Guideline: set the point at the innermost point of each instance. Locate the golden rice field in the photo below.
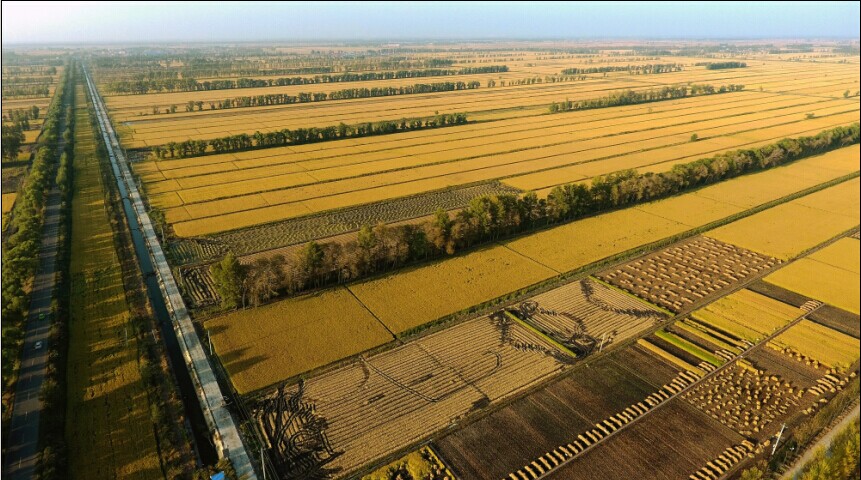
(216, 193)
(789, 229)
(261, 346)
(426, 292)
(289, 195)
(818, 342)
(414, 297)
(747, 315)
(8, 201)
(830, 275)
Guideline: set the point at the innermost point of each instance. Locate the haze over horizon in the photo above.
(158, 22)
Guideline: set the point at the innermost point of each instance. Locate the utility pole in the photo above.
(777, 440)
(601, 347)
(263, 462)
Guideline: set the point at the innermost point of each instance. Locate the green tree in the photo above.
(229, 278)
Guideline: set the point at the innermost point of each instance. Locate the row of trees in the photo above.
(840, 459)
(52, 460)
(300, 136)
(188, 84)
(19, 114)
(21, 243)
(633, 69)
(632, 97)
(382, 247)
(721, 65)
(306, 97)
(26, 90)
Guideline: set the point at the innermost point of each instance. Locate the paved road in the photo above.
(24, 423)
(823, 442)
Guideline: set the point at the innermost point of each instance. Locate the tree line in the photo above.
(26, 90)
(721, 65)
(632, 97)
(306, 97)
(382, 247)
(21, 244)
(188, 84)
(633, 69)
(52, 460)
(301, 136)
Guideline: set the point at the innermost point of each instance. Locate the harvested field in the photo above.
(810, 341)
(541, 421)
(672, 443)
(787, 230)
(198, 286)
(746, 315)
(830, 275)
(688, 273)
(262, 346)
(380, 404)
(429, 292)
(745, 399)
(783, 295)
(585, 313)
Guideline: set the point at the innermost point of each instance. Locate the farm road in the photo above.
(823, 442)
(20, 458)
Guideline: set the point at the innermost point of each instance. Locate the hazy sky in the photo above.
(76, 22)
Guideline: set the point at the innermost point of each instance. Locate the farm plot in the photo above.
(435, 145)
(246, 210)
(435, 290)
(837, 319)
(275, 342)
(584, 313)
(377, 405)
(671, 443)
(745, 399)
(830, 275)
(574, 245)
(511, 437)
(108, 427)
(814, 343)
(688, 273)
(745, 315)
(295, 231)
(313, 193)
(447, 286)
(789, 229)
(8, 201)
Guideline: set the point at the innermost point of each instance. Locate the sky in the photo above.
(214, 21)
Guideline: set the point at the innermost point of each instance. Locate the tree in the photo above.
(694, 137)
(265, 278)
(846, 94)
(438, 232)
(309, 261)
(229, 278)
(12, 139)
